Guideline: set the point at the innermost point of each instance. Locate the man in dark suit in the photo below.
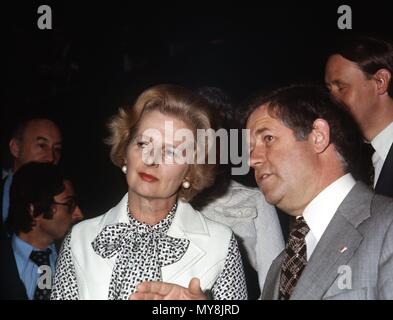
(40, 212)
(303, 146)
(359, 75)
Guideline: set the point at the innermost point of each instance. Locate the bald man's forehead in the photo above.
(42, 128)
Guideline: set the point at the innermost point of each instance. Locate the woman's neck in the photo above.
(149, 211)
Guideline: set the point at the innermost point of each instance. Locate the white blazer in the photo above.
(204, 258)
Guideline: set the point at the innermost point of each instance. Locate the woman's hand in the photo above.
(155, 290)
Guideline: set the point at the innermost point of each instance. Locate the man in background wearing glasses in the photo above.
(42, 207)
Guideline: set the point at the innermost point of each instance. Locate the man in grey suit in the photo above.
(303, 147)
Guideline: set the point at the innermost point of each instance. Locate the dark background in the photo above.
(100, 55)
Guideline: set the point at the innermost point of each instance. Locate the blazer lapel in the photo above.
(117, 214)
(337, 245)
(190, 225)
(384, 184)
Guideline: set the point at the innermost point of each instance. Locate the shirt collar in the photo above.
(383, 141)
(6, 173)
(22, 250)
(320, 211)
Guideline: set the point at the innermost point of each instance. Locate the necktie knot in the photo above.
(368, 161)
(40, 257)
(300, 229)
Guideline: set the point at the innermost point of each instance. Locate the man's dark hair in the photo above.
(298, 106)
(225, 118)
(221, 104)
(33, 184)
(369, 53)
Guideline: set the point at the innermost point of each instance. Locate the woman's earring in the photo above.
(186, 184)
(124, 169)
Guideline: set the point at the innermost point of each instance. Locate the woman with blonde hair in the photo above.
(154, 234)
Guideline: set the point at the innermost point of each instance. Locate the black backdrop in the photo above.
(100, 55)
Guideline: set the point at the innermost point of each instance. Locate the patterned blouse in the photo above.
(141, 251)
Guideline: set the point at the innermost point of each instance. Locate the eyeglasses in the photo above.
(71, 204)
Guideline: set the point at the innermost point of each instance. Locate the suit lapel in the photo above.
(384, 185)
(272, 282)
(337, 245)
(323, 267)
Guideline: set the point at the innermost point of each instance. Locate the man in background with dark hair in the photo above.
(359, 75)
(35, 139)
(41, 207)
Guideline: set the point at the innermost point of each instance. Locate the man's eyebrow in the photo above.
(39, 138)
(42, 138)
(335, 82)
(260, 131)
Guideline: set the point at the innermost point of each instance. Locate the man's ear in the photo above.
(31, 210)
(320, 135)
(14, 146)
(31, 213)
(382, 78)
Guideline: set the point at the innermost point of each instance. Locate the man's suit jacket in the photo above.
(11, 286)
(354, 257)
(384, 184)
(204, 258)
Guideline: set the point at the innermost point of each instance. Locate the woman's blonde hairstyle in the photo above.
(171, 100)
